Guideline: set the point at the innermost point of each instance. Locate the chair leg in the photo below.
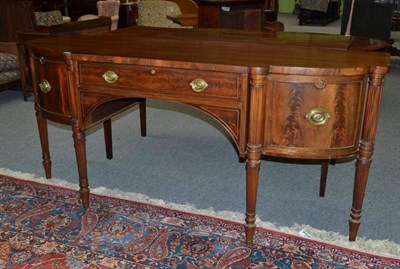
(108, 131)
(323, 178)
(324, 175)
(108, 138)
(142, 111)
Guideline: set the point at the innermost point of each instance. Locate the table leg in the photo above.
(80, 152)
(366, 147)
(360, 184)
(254, 147)
(108, 138)
(44, 143)
(143, 125)
(252, 170)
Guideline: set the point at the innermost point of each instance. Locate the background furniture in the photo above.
(374, 19)
(14, 16)
(271, 10)
(232, 14)
(161, 13)
(48, 5)
(9, 66)
(105, 8)
(319, 12)
(128, 13)
(101, 24)
(371, 18)
(396, 16)
(50, 18)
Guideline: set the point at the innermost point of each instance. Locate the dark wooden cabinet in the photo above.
(128, 14)
(370, 18)
(78, 8)
(231, 14)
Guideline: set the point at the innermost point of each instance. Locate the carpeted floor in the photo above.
(44, 226)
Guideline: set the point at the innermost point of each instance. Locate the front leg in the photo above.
(254, 147)
(80, 152)
(366, 147)
(360, 183)
(252, 175)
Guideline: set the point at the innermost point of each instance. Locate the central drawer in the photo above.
(159, 80)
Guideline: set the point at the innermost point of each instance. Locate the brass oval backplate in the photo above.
(318, 116)
(45, 86)
(110, 76)
(198, 85)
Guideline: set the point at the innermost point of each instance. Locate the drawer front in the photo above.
(187, 83)
(52, 90)
(313, 116)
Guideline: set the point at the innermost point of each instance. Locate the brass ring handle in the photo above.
(198, 85)
(110, 76)
(320, 84)
(45, 86)
(318, 116)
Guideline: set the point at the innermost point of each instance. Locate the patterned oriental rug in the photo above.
(43, 226)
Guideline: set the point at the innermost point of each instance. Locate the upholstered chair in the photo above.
(106, 8)
(9, 69)
(49, 18)
(14, 16)
(154, 13)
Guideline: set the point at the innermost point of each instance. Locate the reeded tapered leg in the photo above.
(142, 111)
(360, 183)
(80, 151)
(44, 143)
(108, 138)
(253, 171)
(366, 147)
(254, 147)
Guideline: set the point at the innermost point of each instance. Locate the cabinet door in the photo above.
(313, 116)
(52, 91)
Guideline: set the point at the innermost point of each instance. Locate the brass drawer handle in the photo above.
(198, 85)
(321, 84)
(318, 116)
(45, 86)
(110, 76)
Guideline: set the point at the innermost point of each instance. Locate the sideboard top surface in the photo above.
(217, 46)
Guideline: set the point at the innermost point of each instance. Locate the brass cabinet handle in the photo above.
(110, 76)
(198, 85)
(45, 86)
(320, 84)
(318, 116)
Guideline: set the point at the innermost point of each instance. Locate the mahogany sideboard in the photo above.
(303, 96)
